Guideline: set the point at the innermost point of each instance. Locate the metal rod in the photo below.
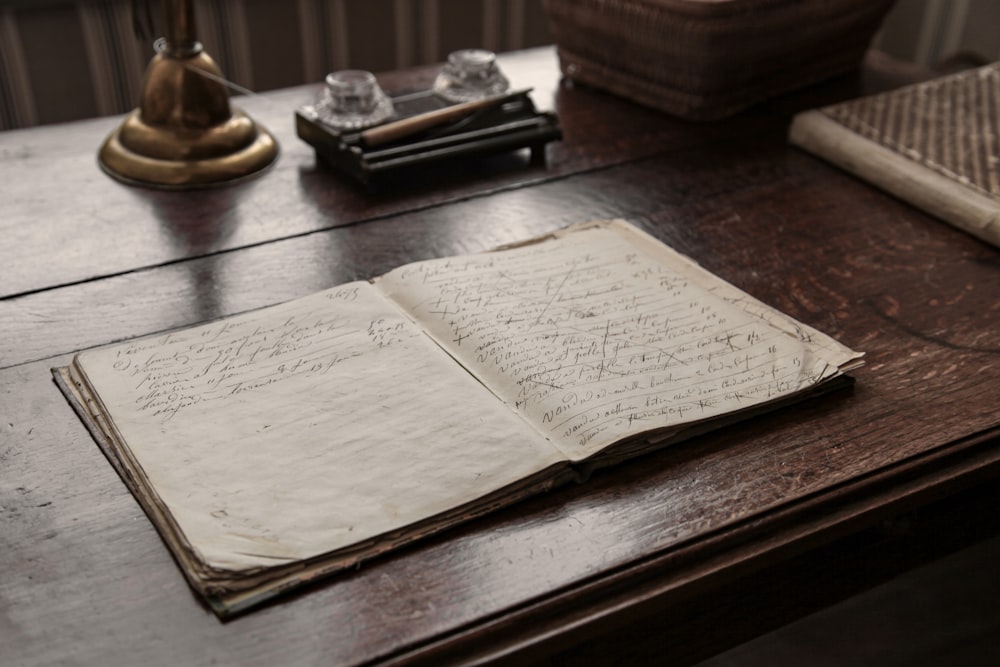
(180, 30)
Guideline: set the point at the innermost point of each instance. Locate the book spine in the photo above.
(935, 193)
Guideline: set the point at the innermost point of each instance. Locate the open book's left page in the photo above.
(302, 429)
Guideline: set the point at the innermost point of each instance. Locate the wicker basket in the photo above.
(707, 59)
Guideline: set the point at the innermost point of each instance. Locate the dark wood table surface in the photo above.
(677, 554)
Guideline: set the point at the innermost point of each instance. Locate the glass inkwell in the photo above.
(352, 100)
(470, 74)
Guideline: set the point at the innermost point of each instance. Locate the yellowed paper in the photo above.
(307, 427)
(605, 333)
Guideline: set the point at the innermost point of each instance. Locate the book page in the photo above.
(604, 333)
(303, 428)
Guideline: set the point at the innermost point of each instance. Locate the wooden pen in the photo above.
(405, 127)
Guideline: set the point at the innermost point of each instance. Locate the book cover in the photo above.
(934, 144)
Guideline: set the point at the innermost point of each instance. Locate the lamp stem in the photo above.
(182, 40)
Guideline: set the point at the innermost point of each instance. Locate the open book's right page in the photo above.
(605, 333)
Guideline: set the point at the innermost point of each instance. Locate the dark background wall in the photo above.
(63, 60)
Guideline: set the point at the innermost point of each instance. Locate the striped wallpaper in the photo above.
(935, 33)
(63, 60)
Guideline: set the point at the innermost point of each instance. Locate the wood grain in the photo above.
(87, 261)
(66, 222)
(755, 214)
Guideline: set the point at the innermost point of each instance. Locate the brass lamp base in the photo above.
(234, 150)
(184, 134)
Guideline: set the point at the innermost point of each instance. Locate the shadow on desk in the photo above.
(844, 603)
(942, 614)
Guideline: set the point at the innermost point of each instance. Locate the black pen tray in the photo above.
(513, 125)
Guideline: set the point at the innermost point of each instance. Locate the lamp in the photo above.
(184, 133)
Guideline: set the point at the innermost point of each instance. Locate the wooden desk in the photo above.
(678, 554)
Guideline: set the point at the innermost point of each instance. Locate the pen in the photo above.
(405, 127)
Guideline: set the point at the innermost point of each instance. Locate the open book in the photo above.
(277, 446)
